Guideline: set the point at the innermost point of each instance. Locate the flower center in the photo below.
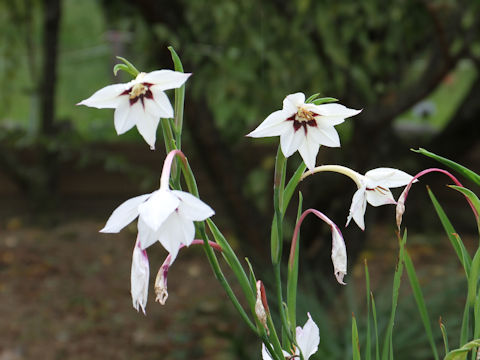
(303, 118)
(137, 90)
(304, 115)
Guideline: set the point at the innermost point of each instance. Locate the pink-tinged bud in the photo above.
(261, 305)
(161, 282)
(339, 255)
(400, 209)
(139, 277)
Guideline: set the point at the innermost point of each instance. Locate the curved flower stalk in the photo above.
(161, 279)
(141, 102)
(139, 277)
(339, 252)
(304, 127)
(307, 339)
(373, 188)
(400, 210)
(164, 215)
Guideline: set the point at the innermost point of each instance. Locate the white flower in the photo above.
(307, 339)
(373, 188)
(304, 127)
(139, 277)
(164, 215)
(141, 102)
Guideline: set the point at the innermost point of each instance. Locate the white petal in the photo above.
(387, 177)
(339, 255)
(377, 197)
(308, 338)
(146, 235)
(275, 124)
(163, 108)
(106, 98)
(291, 140)
(328, 121)
(309, 150)
(158, 208)
(166, 79)
(192, 207)
(327, 136)
(292, 102)
(124, 214)
(122, 117)
(187, 227)
(335, 110)
(139, 277)
(171, 234)
(358, 207)
(146, 124)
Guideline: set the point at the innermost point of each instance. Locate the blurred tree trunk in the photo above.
(47, 129)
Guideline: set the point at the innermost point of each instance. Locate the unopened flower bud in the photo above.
(339, 255)
(401, 207)
(261, 305)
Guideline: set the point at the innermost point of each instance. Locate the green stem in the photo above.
(278, 189)
(223, 281)
(179, 109)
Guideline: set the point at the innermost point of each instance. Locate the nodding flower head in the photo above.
(339, 251)
(164, 215)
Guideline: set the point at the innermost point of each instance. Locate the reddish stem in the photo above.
(454, 179)
(297, 229)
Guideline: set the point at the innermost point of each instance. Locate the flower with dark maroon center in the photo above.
(140, 102)
(316, 121)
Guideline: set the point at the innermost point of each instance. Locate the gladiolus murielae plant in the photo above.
(177, 218)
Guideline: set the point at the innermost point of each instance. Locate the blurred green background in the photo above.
(411, 65)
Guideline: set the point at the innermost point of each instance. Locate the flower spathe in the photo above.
(374, 188)
(139, 277)
(304, 127)
(307, 339)
(141, 102)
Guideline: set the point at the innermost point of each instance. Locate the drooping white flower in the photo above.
(304, 127)
(164, 215)
(139, 278)
(141, 102)
(307, 339)
(374, 188)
